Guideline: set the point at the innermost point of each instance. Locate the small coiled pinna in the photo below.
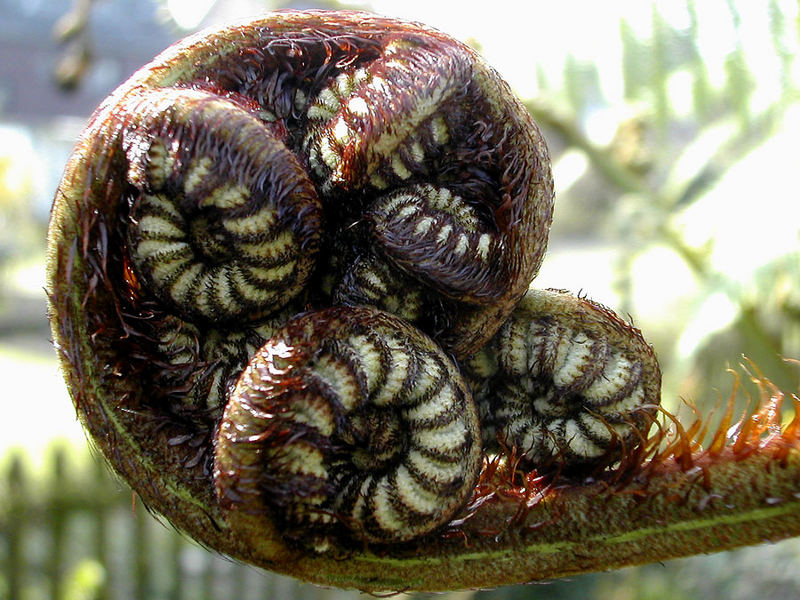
(349, 416)
(217, 237)
(566, 382)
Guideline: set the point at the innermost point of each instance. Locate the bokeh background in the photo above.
(674, 130)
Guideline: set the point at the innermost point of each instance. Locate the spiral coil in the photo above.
(352, 414)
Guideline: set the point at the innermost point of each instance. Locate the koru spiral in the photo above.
(289, 270)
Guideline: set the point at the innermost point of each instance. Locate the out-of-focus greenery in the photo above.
(694, 192)
(685, 183)
(19, 167)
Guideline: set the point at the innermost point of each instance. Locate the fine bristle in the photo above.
(766, 426)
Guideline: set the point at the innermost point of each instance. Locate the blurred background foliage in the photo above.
(673, 128)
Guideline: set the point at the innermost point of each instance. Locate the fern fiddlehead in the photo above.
(230, 235)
